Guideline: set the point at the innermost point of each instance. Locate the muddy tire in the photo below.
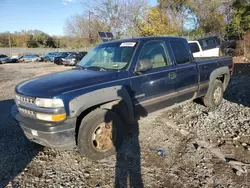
(100, 134)
(214, 95)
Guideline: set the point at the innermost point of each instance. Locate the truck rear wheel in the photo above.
(214, 95)
(100, 134)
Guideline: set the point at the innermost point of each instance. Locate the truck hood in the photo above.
(53, 84)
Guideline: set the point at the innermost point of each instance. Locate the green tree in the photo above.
(178, 11)
(4, 40)
(240, 23)
(156, 22)
(31, 43)
(211, 16)
(42, 39)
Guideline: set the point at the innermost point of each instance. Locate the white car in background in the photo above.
(205, 47)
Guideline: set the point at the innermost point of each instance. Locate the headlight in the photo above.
(49, 103)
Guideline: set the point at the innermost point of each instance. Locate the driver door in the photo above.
(155, 88)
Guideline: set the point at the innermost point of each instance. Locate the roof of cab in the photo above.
(137, 39)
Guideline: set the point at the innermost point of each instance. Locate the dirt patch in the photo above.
(241, 59)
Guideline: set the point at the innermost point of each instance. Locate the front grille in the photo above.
(20, 99)
(27, 113)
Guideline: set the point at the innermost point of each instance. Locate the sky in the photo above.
(48, 16)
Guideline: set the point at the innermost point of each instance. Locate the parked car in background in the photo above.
(58, 58)
(14, 59)
(206, 47)
(29, 58)
(83, 53)
(72, 59)
(50, 56)
(4, 59)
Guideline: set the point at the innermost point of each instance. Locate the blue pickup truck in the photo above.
(91, 105)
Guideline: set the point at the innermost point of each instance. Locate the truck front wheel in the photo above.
(100, 134)
(214, 94)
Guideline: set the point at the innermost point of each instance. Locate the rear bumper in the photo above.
(68, 62)
(55, 135)
(65, 62)
(4, 61)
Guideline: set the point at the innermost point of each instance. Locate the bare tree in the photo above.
(118, 16)
(83, 28)
(212, 15)
(177, 10)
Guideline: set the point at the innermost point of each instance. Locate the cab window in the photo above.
(180, 51)
(155, 51)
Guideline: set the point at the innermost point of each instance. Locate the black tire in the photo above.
(88, 130)
(46, 60)
(214, 95)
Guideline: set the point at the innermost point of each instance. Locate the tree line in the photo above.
(130, 18)
(37, 39)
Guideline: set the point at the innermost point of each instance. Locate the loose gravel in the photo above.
(161, 152)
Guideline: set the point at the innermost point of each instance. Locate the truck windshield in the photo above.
(114, 56)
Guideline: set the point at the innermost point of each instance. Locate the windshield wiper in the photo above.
(97, 67)
(79, 66)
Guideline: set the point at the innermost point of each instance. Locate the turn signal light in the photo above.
(51, 117)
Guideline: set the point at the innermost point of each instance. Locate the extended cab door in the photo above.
(159, 83)
(187, 71)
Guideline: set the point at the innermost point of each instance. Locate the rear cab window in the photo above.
(209, 43)
(180, 51)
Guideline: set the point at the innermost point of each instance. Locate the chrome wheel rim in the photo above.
(102, 137)
(217, 94)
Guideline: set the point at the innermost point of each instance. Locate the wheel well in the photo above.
(221, 78)
(80, 117)
(224, 79)
(118, 106)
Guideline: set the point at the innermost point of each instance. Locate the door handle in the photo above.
(172, 75)
(205, 67)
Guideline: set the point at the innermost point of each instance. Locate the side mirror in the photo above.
(144, 65)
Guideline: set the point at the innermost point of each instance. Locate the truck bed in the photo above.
(221, 61)
(206, 58)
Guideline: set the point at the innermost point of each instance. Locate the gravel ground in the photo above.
(194, 141)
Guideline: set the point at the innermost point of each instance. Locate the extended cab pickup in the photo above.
(91, 106)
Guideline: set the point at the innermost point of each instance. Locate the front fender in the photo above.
(99, 97)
